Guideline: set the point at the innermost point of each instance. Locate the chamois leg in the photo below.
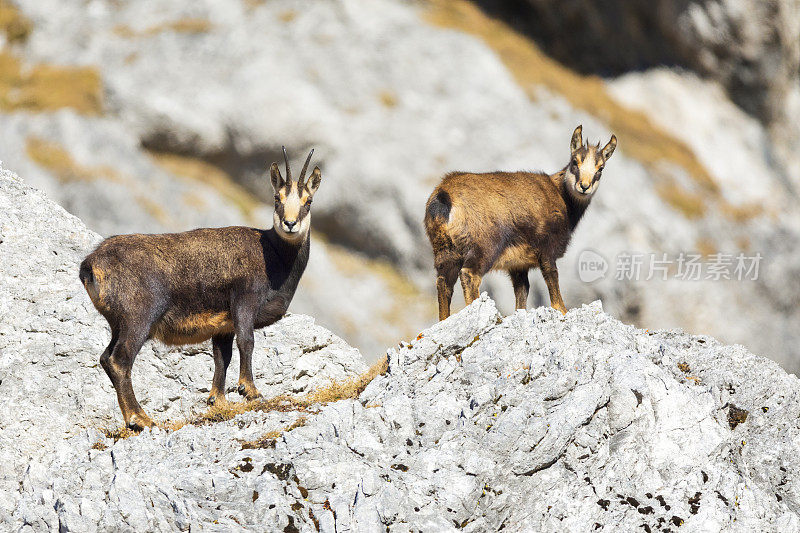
(118, 366)
(222, 347)
(519, 279)
(243, 320)
(446, 276)
(471, 283)
(106, 355)
(550, 275)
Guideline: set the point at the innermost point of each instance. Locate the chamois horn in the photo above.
(288, 170)
(305, 167)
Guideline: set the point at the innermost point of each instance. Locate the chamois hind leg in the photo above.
(118, 366)
(550, 275)
(471, 283)
(243, 322)
(519, 279)
(222, 348)
(106, 355)
(446, 276)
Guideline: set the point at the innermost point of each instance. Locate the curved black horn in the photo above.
(288, 170)
(305, 167)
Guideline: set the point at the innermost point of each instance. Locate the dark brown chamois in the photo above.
(210, 283)
(510, 221)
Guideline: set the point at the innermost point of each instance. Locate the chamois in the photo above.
(209, 283)
(511, 221)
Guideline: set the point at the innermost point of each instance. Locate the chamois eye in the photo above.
(277, 198)
(308, 202)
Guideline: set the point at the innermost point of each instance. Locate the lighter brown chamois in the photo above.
(511, 221)
(211, 283)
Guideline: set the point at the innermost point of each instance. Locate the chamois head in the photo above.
(292, 216)
(583, 173)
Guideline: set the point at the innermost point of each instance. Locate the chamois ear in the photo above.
(577, 139)
(609, 148)
(275, 177)
(314, 180)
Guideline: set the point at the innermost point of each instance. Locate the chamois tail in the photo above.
(439, 207)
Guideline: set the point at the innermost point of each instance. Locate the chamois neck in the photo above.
(575, 207)
(292, 258)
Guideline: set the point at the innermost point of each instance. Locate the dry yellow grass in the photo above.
(268, 439)
(388, 99)
(288, 15)
(53, 157)
(13, 23)
(638, 136)
(692, 205)
(45, 87)
(402, 293)
(224, 411)
(348, 388)
(155, 210)
(190, 26)
(198, 170)
(397, 283)
(705, 247)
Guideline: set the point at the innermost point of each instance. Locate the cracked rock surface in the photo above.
(51, 337)
(531, 422)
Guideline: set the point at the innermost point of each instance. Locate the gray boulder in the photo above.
(532, 422)
(536, 421)
(51, 338)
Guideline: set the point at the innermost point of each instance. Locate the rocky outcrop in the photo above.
(532, 422)
(51, 337)
(535, 421)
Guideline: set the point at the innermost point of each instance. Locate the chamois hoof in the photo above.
(139, 422)
(216, 399)
(249, 392)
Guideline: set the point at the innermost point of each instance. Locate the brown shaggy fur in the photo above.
(511, 221)
(211, 283)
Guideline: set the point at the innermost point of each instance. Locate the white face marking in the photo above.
(291, 212)
(586, 172)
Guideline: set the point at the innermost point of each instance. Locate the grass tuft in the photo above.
(44, 87)
(350, 388)
(388, 99)
(189, 26)
(287, 16)
(224, 411)
(55, 158)
(268, 439)
(198, 170)
(13, 23)
(690, 204)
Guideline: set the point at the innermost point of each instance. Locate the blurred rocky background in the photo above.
(156, 116)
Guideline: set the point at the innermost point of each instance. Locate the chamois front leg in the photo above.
(243, 323)
(550, 275)
(222, 348)
(118, 366)
(519, 279)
